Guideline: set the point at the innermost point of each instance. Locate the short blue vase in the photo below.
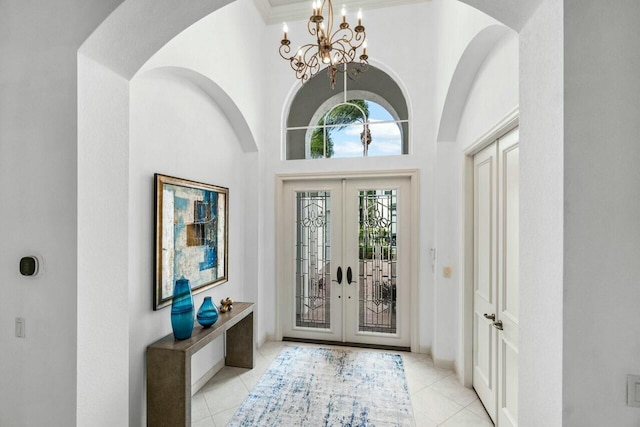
(182, 310)
(208, 313)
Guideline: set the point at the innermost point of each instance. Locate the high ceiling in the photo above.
(276, 11)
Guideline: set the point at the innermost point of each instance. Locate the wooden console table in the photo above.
(169, 364)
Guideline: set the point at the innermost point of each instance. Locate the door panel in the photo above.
(496, 278)
(508, 278)
(378, 243)
(312, 300)
(485, 281)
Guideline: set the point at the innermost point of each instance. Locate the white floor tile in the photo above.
(466, 418)
(199, 408)
(451, 388)
(205, 422)
(250, 377)
(420, 375)
(271, 349)
(423, 420)
(223, 418)
(222, 397)
(477, 408)
(433, 405)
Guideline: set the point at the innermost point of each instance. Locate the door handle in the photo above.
(498, 325)
(490, 316)
(339, 275)
(349, 276)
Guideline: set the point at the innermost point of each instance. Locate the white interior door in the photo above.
(485, 284)
(496, 272)
(345, 258)
(508, 283)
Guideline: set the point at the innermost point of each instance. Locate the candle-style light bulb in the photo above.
(285, 29)
(344, 14)
(364, 48)
(360, 17)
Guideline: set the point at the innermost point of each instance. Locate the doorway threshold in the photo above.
(347, 344)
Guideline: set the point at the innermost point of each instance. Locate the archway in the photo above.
(106, 63)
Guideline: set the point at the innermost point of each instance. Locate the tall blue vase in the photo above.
(208, 313)
(182, 310)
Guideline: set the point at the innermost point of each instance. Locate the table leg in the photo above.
(240, 352)
(168, 388)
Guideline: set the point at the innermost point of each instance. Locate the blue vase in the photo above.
(208, 313)
(182, 310)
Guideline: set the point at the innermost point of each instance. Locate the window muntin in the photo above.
(342, 130)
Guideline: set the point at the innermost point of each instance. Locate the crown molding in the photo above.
(301, 10)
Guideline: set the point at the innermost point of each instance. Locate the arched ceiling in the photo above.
(512, 13)
(276, 11)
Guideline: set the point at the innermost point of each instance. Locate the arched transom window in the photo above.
(370, 119)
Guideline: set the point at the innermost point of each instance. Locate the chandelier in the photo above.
(332, 49)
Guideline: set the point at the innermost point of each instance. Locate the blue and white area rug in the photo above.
(329, 387)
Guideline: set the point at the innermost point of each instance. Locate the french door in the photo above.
(345, 260)
(496, 273)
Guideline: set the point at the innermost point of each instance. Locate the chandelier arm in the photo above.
(344, 34)
(313, 27)
(331, 49)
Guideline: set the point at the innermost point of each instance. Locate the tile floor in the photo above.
(437, 397)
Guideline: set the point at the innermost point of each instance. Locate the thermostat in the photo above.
(29, 266)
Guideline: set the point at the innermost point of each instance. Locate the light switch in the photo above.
(446, 271)
(20, 333)
(633, 390)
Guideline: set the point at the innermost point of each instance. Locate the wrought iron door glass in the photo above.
(377, 261)
(313, 259)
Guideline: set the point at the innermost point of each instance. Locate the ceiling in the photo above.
(276, 11)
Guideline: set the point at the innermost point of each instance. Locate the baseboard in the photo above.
(265, 338)
(206, 377)
(424, 349)
(444, 363)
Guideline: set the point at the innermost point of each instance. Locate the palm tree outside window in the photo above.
(356, 128)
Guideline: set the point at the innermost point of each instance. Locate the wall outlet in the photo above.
(633, 390)
(446, 271)
(20, 326)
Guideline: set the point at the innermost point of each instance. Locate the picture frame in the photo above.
(191, 236)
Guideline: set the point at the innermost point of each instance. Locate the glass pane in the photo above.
(386, 139)
(313, 259)
(378, 259)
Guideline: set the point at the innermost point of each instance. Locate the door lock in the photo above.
(490, 316)
(498, 325)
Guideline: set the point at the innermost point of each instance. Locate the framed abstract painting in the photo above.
(191, 236)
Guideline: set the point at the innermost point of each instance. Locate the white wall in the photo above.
(602, 200)
(457, 24)
(493, 94)
(38, 45)
(541, 217)
(176, 130)
(416, 77)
